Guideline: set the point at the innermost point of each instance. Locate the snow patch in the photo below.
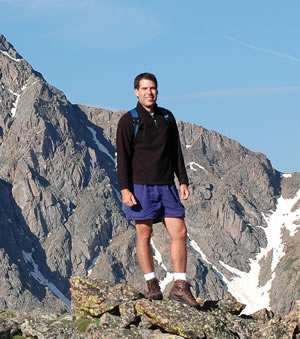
(9, 56)
(192, 164)
(18, 95)
(99, 145)
(157, 256)
(245, 287)
(15, 104)
(115, 160)
(37, 275)
(196, 248)
(287, 175)
(192, 243)
(285, 214)
(93, 264)
(188, 146)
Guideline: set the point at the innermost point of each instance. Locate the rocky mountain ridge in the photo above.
(61, 214)
(103, 310)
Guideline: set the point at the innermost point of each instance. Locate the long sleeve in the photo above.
(178, 160)
(124, 143)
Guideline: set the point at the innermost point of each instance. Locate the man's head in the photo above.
(145, 88)
(146, 76)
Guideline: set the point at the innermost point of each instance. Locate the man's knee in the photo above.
(176, 228)
(144, 231)
(182, 233)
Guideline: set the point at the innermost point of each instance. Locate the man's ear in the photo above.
(136, 92)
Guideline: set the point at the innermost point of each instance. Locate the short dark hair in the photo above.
(147, 76)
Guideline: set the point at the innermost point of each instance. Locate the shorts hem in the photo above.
(154, 218)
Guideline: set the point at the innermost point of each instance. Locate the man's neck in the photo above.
(149, 109)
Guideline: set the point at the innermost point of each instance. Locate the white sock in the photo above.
(149, 276)
(179, 276)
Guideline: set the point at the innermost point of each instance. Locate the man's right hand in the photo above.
(128, 198)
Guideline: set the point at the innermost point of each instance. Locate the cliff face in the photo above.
(61, 214)
(59, 204)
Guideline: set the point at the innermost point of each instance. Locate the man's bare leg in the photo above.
(145, 257)
(177, 230)
(181, 288)
(143, 247)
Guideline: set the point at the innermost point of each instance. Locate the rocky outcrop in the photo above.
(61, 214)
(103, 310)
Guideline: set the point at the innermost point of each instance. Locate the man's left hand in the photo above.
(184, 192)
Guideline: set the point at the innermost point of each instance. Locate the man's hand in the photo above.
(128, 198)
(184, 192)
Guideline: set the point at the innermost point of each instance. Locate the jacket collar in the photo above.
(142, 110)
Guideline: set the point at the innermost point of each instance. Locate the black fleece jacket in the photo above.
(154, 156)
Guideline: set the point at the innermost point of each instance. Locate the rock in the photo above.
(44, 328)
(180, 319)
(138, 317)
(231, 306)
(8, 328)
(95, 297)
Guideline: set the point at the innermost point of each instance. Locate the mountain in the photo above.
(61, 213)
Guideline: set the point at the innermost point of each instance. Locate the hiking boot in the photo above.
(181, 291)
(154, 289)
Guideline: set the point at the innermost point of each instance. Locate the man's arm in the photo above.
(124, 141)
(124, 147)
(178, 160)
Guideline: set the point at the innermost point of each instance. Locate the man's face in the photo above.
(147, 94)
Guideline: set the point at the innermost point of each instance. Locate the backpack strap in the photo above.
(136, 119)
(165, 113)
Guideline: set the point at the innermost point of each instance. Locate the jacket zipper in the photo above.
(152, 116)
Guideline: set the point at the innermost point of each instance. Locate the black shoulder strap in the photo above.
(165, 113)
(136, 120)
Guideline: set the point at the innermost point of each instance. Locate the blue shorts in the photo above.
(155, 202)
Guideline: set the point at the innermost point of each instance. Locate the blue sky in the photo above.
(229, 66)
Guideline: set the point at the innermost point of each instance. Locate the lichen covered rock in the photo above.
(95, 296)
(120, 311)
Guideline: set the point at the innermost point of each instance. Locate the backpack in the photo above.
(137, 121)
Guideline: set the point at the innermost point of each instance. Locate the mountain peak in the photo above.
(8, 50)
(61, 213)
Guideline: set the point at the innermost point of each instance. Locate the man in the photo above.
(147, 162)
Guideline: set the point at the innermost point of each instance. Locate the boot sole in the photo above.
(174, 297)
(157, 297)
